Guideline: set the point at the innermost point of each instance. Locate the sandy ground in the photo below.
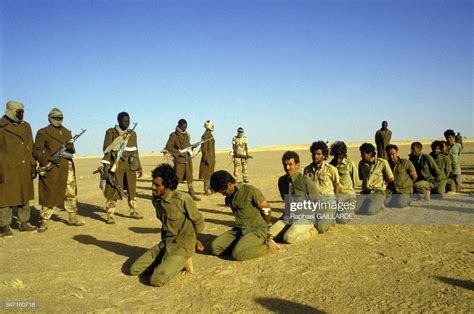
(414, 259)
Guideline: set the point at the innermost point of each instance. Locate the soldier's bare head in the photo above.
(338, 150)
(164, 180)
(416, 148)
(291, 162)
(123, 120)
(392, 152)
(223, 182)
(367, 152)
(450, 136)
(384, 125)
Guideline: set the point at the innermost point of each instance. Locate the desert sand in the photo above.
(413, 259)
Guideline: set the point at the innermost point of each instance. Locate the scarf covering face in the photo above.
(208, 125)
(55, 113)
(178, 130)
(10, 112)
(115, 145)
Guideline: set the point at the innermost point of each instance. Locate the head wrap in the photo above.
(208, 125)
(12, 107)
(55, 113)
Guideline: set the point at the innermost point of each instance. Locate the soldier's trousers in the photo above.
(397, 200)
(422, 187)
(296, 232)
(240, 162)
(163, 267)
(245, 246)
(70, 197)
(370, 204)
(440, 186)
(6, 214)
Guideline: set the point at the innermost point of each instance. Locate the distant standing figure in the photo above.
(240, 150)
(208, 159)
(382, 139)
(454, 152)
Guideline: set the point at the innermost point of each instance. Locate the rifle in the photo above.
(106, 176)
(121, 150)
(190, 148)
(61, 152)
(235, 155)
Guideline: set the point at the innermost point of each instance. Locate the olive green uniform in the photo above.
(298, 184)
(454, 152)
(427, 171)
(181, 221)
(16, 168)
(325, 178)
(249, 236)
(444, 164)
(348, 179)
(400, 190)
(373, 176)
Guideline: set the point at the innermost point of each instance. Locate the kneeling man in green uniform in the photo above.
(180, 220)
(252, 216)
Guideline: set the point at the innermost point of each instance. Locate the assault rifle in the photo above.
(189, 149)
(110, 178)
(61, 152)
(121, 150)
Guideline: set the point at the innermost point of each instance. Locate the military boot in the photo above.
(73, 221)
(6, 232)
(44, 226)
(192, 193)
(26, 227)
(110, 219)
(134, 214)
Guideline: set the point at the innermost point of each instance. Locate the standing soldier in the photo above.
(454, 152)
(240, 154)
(208, 160)
(183, 160)
(382, 139)
(125, 169)
(57, 181)
(17, 169)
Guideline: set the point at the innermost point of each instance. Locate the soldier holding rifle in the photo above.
(121, 165)
(179, 146)
(54, 150)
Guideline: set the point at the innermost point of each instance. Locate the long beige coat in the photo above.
(52, 188)
(17, 163)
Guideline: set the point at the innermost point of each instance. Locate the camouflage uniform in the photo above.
(240, 144)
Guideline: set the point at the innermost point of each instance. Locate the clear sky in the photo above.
(286, 71)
